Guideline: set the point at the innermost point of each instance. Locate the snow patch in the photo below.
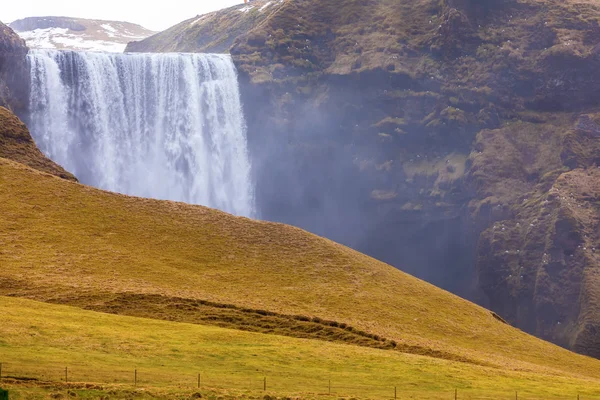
(265, 6)
(105, 37)
(110, 31)
(246, 9)
(40, 38)
(199, 19)
(109, 28)
(79, 43)
(61, 38)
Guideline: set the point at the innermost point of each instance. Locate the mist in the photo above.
(319, 163)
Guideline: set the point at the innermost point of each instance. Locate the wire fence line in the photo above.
(94, 378)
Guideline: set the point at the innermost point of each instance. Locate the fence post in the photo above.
(455, 394)
(135, 377)
(198, 381)
(0, 371)
(516, 395)
(66, 374)
(330, 387)
(265, 384)
(395, 393)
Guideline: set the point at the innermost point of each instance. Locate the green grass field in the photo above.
(66, 243)
(185, 267)
(39, 340)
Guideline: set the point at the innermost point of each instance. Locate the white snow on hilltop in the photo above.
(265, 6)
(59, 38)
(262, 7)
(103, 36)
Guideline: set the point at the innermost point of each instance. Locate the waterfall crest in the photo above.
(165, 126)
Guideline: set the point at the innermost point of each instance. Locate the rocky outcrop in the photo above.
(14, 73)
(537, 261)
(432, 135)
(369, 136)
(17, 144)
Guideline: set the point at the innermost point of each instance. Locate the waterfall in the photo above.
(165, 126)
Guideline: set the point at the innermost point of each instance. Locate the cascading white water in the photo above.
(165, 126)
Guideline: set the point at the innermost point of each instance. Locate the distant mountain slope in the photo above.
(17, 144)
(209, 33)
(67, 243)
(78, 33)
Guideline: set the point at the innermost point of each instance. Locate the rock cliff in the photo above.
(16, 142)
(14, 73)
(456, 140)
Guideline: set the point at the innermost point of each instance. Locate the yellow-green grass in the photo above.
(61, 240)
(39, 340)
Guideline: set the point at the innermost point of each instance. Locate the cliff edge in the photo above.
(16, 144)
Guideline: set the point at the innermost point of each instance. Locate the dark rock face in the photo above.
(540, 268)
(14, 72)
(435, 136)
(481, 10)
(343, 169)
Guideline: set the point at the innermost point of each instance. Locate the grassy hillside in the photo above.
(209, 33)
(62, 242)
(40, 340)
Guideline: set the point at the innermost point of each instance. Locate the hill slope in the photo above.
(209, 33)
(39, 340)
(66, 243)
(78, 33)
